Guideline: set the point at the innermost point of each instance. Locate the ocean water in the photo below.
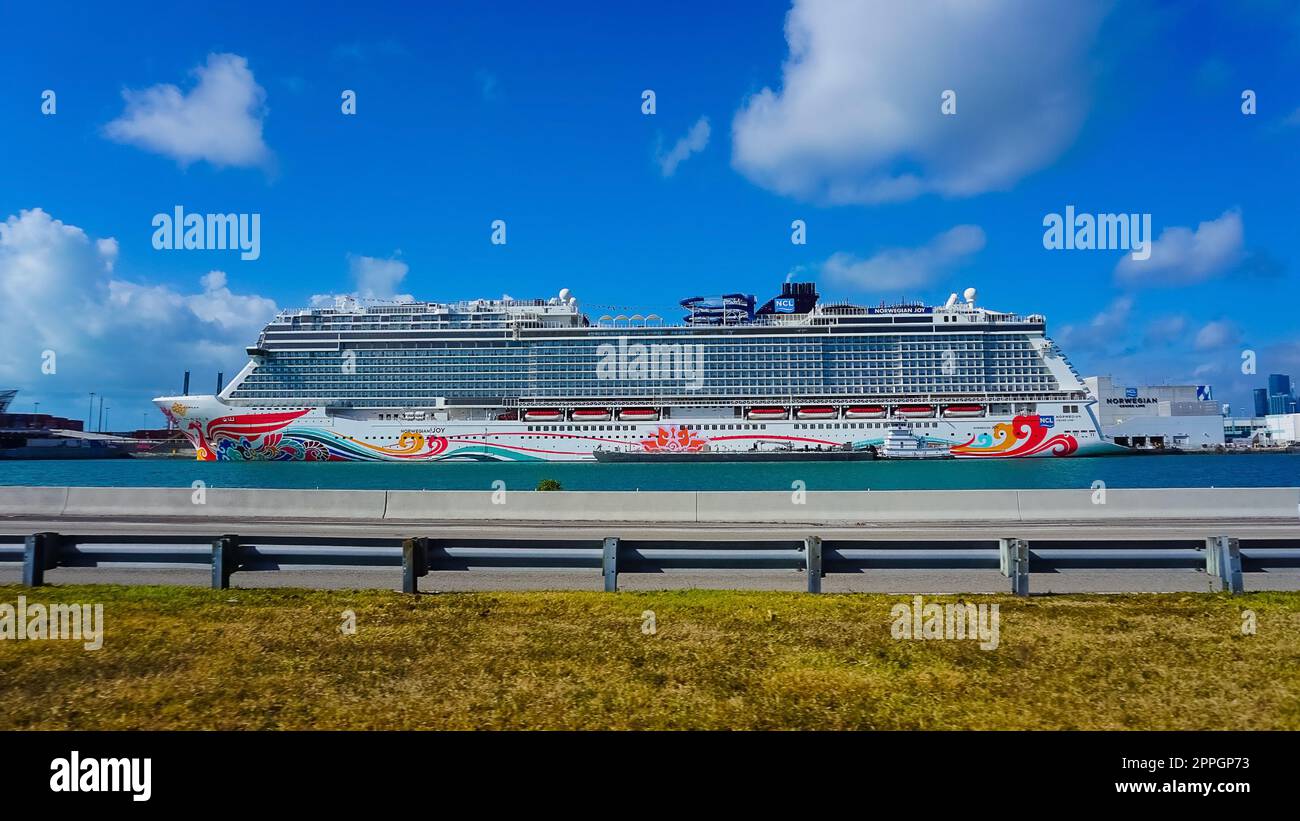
(1244, 470)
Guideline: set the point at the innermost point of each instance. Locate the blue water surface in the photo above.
(1191, 470)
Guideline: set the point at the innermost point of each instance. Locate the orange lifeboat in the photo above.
(816, 412)
(864, 412)
(543, 415)
(768, 413)
(638, 415)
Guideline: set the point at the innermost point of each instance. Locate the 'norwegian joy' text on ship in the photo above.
(538, 380)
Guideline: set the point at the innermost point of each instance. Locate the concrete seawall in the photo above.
(684, 507)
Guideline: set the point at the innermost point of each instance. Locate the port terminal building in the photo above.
(1158, 416)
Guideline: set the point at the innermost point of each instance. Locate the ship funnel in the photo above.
(185, 389)
(952, 300)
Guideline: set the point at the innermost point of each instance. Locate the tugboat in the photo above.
(784, 454)
(901, 443)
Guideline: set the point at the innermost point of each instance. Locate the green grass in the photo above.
(178, 658)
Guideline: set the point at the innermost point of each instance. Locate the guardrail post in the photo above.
(609, 564)
(1223, 562)
(1013, 561)
(225, 560)
(40, 553)
(415, 563)
(812, 549)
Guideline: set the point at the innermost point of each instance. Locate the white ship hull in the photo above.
(220, 431)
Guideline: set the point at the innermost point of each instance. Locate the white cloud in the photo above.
(896, 269)
(857, 118)
(1105, 331)
(1181, 256)
(108, 250)
(375, 278)
(1165, 330)
(219, 120)
(1170, 350)
(1217, 334)
(219, 305)
(120, 338)
(693, 143)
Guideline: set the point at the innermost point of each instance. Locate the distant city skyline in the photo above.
(1277, 397)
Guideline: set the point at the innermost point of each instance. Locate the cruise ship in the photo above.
(529, 380)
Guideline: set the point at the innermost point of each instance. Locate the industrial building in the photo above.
(1158, 416)
(1283, 428)
(1276, 422)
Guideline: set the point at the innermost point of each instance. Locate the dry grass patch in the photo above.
(182, 658)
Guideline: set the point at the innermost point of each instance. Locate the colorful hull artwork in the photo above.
(1022, 436)
(220, 432)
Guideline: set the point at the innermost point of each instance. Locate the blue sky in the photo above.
(532, 114)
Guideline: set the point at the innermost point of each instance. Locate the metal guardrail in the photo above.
(1225, 559)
